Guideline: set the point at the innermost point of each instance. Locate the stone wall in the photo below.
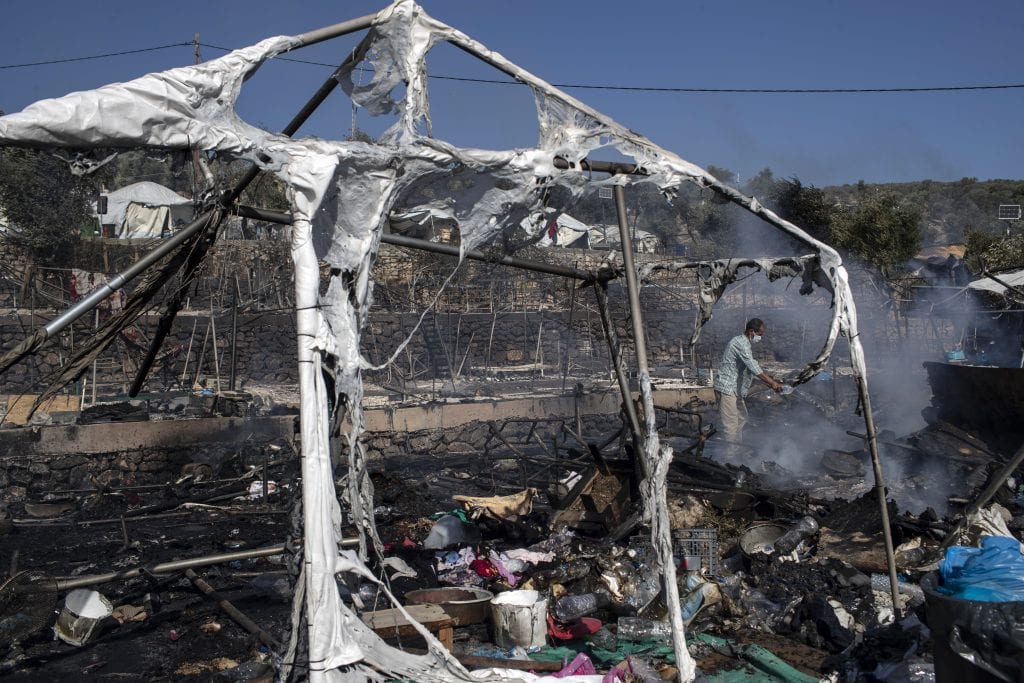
(37, 475)
(42, 459)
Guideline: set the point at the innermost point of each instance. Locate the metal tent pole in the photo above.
(446, 249)
(876, 464)
(635, 315)
(230, 196)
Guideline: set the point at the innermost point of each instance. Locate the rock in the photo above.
(20, 475)
(12, 494)
(67, 462)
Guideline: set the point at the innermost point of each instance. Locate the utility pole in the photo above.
(200, 168)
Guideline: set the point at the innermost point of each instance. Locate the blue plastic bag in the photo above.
(992, 573)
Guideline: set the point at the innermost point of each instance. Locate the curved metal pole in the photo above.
(986, 495)
(396, 240)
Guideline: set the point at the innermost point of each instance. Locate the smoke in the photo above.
(787, 437)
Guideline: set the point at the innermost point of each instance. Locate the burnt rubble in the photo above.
(458, 531)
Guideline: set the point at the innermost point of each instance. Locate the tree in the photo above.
(989, 251)
(880, 230)
(805, 206)
(266, 192)
(762, 185)
(722, 173)
(45, 204)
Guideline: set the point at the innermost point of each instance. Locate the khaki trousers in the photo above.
(732, 413)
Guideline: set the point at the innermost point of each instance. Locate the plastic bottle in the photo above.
(638, 628)
(642, 669)
(572, 607)
(647, 588)
(567, 571)
(802, 530)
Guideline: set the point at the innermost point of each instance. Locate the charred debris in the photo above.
(782, 574)
(423, 499)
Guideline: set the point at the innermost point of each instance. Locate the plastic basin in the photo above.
(465, 605)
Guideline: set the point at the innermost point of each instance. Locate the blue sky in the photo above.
(823, 139)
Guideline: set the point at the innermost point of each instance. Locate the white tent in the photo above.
(342, 190)
(145, 210)
(607, 237)
(566, 231)
(1014, 279)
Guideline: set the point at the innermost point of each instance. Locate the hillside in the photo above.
(947, 208)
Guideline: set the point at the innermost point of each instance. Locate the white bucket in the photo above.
(520, 619)
(83, 611)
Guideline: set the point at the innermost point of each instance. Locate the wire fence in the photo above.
(482, 319)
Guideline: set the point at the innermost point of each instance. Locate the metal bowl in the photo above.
(465, 605)
(731, 501)
(760, 539)
(843, 463)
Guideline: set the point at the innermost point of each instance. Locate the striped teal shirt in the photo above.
(738, 368)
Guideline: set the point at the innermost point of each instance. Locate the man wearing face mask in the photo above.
(736, 372)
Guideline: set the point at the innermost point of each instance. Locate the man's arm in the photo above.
(776, 386)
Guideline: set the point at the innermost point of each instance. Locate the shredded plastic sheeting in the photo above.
(713, 277)
(341, 194)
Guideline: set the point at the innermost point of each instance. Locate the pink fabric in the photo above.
(495, 559)
(581, 666)
(614, 676)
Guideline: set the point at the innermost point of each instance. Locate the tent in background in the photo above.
(566, 231)
(145, 210)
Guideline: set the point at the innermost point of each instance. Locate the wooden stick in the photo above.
(202, 354)
(184, 371)
(232, 611)
(216, 354)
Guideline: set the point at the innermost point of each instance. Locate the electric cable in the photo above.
(739, 91)
(579, 86)
(82, 59)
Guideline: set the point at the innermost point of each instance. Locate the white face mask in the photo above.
(756, 339)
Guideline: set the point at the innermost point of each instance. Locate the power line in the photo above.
(741, 91)
(82, 59)
(580, 86)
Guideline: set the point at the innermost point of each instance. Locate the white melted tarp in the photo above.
(341, 195)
